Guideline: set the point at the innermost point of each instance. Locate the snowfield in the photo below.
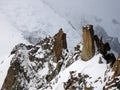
(92, 68)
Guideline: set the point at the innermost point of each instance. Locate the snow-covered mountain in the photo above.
(29, 22)
(34, 67)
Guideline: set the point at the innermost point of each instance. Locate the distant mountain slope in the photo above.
(35, 16)
(103, 14)
(9, 36)
(39, 18)
(80, 12)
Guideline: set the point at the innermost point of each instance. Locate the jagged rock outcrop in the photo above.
(101, 47)
(59, 44)
(72, 58)
(116, 67)
(113, 41)
(29, 62)
(110, 58)
(113, 78)
(88, 50)
(12, 76)
(77, 82)
(112, 84)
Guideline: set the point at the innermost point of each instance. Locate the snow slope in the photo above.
(91, 68)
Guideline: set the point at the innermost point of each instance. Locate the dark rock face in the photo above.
(88, 50)
(114, 80)
(77, 82)
(14, 74)
(101, 47)
(11, 79)
(18, 47)
(59, 44)
(113, 41)
(110, 58)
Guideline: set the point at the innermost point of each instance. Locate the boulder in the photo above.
(88, 49)
(59, 44)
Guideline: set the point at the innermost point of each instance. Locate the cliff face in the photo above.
(12, 76)
(59, 44)
(88, 50)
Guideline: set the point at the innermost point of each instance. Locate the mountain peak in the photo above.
(59, 44)
(88, 50)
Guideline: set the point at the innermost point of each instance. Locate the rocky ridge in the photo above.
(37, 67)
